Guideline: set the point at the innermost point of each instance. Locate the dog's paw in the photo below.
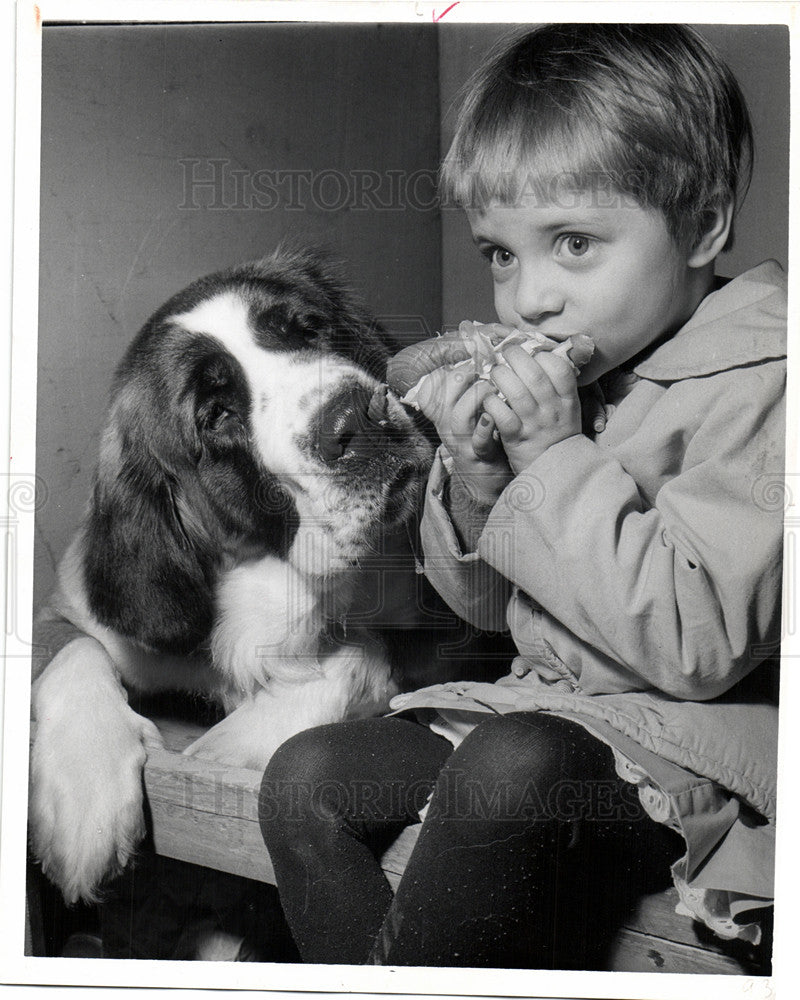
(248, 737)
(86, 808)
(86, 794)
(354, 681)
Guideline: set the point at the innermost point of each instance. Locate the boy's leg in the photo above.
(332, 799)
(531, 850)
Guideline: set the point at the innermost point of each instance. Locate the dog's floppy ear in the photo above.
(149, 570)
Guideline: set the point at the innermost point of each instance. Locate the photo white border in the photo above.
(18, 426)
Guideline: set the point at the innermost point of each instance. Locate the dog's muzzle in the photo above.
(354, 423)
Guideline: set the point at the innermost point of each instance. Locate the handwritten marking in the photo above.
(433, 12)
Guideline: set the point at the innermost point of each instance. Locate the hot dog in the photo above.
(475, 347)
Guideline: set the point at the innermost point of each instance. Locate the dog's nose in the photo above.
(350, 422)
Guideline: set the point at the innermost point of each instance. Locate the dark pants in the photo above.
(530, 854)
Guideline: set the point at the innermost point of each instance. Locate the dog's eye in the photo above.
(215, 416)
(218, 416)
(281, 325)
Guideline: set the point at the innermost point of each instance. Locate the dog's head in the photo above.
(248, 417)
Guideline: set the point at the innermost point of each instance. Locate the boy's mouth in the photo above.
(550, 334)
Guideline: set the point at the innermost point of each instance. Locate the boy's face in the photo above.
(611, 271)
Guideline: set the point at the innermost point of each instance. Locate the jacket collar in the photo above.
(741, 323)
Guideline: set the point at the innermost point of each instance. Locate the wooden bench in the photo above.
(208, 816)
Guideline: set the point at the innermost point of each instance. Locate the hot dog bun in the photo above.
(475, 346)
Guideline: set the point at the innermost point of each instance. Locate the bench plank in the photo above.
(636, 951)
(206, 815)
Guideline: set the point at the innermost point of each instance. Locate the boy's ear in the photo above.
(715, 235)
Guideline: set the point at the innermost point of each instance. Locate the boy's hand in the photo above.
(452, 401)
(541, 408)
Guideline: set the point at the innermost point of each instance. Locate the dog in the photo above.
(249, 538)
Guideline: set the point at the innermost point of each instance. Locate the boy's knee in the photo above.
(304, 756)
(292, 780)
(525, 748)
(524, 768)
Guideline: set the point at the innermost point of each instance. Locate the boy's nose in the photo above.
(537, 296)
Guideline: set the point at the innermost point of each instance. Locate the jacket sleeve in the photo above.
(471, 588)
(684, 590)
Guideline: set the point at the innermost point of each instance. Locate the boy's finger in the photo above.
(560, 372)
(468, 408)
(483, 442)
(506, 420)
(526, 385)
(593, 409)
(440, 391)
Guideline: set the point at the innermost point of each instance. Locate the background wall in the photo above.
(758, 55)
(134, 117)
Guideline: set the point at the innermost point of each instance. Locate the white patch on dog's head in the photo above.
(288, 388)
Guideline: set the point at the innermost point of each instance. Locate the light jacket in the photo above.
(640, 572)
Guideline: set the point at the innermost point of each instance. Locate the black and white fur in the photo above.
(249, 492)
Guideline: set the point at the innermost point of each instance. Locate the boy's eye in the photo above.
(501, 257)
(575, 245)
(497, 256)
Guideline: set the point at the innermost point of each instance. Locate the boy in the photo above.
(638, 571)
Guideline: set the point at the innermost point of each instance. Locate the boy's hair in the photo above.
(644, 110)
